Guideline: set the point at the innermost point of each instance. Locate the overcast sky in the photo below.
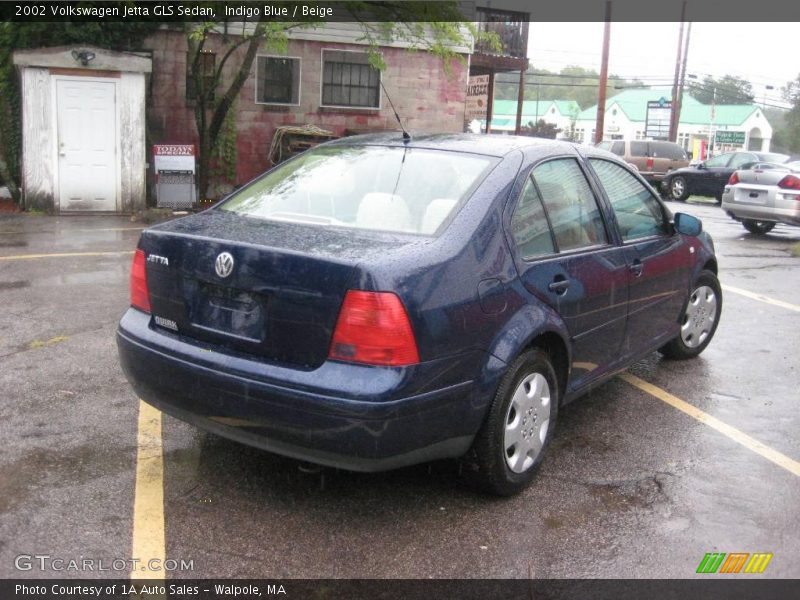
(762, 53)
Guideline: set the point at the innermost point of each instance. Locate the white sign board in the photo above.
(173, 157)
(477, 97)
(659, 113)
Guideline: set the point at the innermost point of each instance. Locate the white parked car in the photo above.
(763, 196)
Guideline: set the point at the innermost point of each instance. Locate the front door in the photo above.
(87, 145)
(658, 260)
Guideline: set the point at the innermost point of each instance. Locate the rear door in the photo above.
(566, 260)
(657, 259)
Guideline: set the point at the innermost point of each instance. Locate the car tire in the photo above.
(512, 441)
(678, 188)
(699, 319)
(758, 227)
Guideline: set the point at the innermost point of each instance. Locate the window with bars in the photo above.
(278, 80)
(349, 80)
(206, 62)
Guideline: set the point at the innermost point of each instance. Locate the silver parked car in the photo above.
(763, 196)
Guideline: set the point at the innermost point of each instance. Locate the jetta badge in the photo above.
(224, 264)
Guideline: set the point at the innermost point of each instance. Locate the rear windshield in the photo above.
(410, 190)
(772, 157)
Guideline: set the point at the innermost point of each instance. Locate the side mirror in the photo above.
(687, 224)
(701, 165)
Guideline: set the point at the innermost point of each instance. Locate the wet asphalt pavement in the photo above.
(631, 487)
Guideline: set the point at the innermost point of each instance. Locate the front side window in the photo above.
(529, 224)
(570, 204)
(618, 148)
(380, 188)
(638, 213)
(277, 80)
(349, 80)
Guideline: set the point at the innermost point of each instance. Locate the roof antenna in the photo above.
(406, 136)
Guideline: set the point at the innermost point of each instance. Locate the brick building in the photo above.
(91, 116)
(323, 80)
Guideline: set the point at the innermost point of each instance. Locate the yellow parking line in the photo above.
(736, 435)
(149, 545)
(64, 255)
(760, 297)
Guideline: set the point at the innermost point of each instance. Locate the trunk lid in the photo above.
(285, 287)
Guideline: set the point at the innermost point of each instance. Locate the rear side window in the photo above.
(740, 159)
(380, 188)
(719, 161)
(638, 148)
(529, 224)
(638, 213)
(570, 204)
(667, 150)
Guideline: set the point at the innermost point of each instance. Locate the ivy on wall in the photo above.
(225, 150)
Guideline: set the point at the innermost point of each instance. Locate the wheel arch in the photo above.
(536, 326)
(556, 348)
(711, 265)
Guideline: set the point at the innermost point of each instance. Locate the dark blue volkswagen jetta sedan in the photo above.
(377, 302)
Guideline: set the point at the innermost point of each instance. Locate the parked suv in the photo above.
(653, 159)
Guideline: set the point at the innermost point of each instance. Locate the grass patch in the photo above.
(51, 342)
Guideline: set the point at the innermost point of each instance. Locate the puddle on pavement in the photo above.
(57, 467)
(13, 285)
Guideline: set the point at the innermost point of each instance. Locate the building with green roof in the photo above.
(561, 113)
(626, 117)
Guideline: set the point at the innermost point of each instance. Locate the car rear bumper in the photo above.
(780, 208)
(342, 415)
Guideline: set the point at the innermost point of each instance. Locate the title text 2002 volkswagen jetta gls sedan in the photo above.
(375, 302)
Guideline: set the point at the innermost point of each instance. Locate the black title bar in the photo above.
(410, 10)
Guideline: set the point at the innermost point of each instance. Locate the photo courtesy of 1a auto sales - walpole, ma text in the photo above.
(399, 299)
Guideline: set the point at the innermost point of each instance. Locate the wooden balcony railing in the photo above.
(510, 27)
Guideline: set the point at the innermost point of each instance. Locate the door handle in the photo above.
(637, 267)
(559, 286)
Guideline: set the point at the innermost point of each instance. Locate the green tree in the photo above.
(540, 129)
(18, 36)
(789, 135)
(727, 90)
(571, 83)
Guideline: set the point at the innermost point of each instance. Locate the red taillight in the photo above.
(140, 297)
(790, 182)
(373, 328)
(650, 164)
(734, 179)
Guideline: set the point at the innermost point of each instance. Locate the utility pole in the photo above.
(673, 117)
(677, 108)
(520, 101)
(601, 93)
(711, 135)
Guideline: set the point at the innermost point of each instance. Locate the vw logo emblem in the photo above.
(224, 264)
